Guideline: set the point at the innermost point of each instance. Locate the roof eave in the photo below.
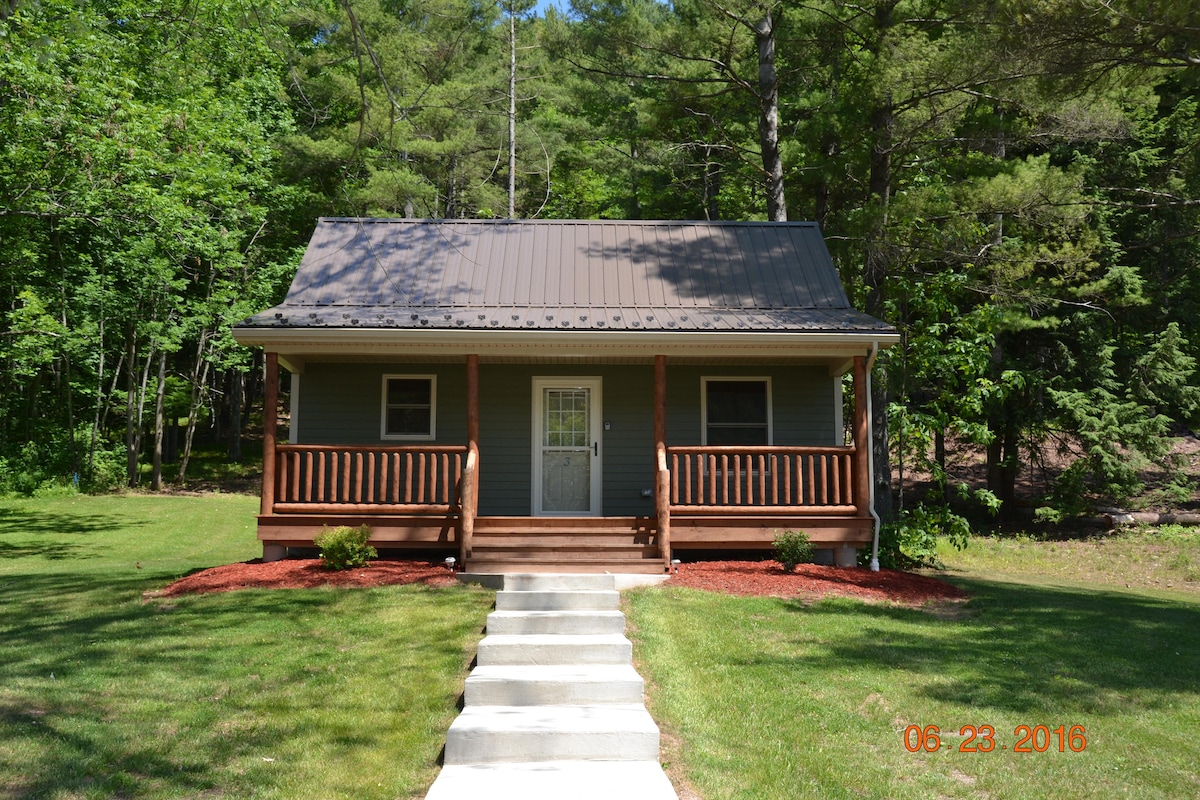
(616, 343)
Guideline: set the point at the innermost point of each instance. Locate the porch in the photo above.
(425, 497)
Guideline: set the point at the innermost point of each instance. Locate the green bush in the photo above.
(911, 541)
(792, 548)
(344, 547)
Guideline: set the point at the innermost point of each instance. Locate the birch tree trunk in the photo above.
(768, 119)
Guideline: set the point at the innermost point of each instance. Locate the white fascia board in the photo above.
(391, 341)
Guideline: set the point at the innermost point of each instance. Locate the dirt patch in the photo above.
(809, 581)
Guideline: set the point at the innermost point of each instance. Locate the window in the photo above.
(736, 411)
(408, 406)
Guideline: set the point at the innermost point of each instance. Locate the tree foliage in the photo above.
(1015, 185)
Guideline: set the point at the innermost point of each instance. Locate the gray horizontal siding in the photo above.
(340, 404)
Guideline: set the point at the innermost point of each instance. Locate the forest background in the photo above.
(1015, 184)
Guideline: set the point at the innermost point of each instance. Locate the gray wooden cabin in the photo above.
(567, 395)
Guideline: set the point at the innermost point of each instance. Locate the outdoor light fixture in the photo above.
(675, 562)
(450, 562)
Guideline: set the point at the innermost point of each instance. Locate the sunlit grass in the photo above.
(313, 693)
(770, 698)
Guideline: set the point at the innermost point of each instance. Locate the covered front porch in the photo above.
(425, 496)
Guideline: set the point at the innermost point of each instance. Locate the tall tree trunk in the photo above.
(877, 262)
(199, 379)
(235, 416)
(512, 111)
(132, 440)
(156, 481)
(91, 458)
(768, 119)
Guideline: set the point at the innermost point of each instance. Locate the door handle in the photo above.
(596, 448)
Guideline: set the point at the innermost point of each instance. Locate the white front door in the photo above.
(566, 447)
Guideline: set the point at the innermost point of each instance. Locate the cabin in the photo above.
(569, 395)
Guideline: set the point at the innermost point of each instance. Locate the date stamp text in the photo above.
(983, 739)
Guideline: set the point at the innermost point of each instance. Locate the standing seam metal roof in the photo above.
(566, 274)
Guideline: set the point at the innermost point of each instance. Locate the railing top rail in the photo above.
(758, 450)
(372, 448)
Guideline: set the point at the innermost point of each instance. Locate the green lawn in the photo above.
(348, 693)
(769, 698)
(287, 694)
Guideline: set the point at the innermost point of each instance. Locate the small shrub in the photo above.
(792, 548)
(344, 547)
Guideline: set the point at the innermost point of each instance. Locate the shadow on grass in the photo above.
(1023, 649)
(22, 532)
(176, 698)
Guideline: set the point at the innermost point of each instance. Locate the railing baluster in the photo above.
(824, 481)
(787, 480)
(812, 498)
(836, 473)
(395, 477)
(445, 478)
(408, 477)
(848, 480)
(420, 477)
(737, 480)
(762, 481)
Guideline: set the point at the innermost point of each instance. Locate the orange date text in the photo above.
(982, 739)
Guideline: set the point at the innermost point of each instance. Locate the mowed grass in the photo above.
(273, 694)
(770, 698)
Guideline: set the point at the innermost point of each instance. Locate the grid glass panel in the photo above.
(566, 423)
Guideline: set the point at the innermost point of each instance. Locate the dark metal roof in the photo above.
(571, 274)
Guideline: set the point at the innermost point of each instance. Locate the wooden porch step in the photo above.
(486, 566)
(576, 544)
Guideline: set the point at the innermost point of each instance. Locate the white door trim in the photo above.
(595, 386)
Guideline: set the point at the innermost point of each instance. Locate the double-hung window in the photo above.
(736, 411)
(409, 406)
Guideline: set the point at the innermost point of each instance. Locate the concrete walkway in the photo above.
(554, 707)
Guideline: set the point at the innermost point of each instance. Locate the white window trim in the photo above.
(383, 408)
(706, 379)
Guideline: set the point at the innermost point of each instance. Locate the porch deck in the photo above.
(705, 497)
(422, 498)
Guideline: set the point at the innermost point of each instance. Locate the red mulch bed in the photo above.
(307, 574)
(808, 582)
(812, 582)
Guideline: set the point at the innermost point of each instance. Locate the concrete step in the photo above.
(563, 582)
(551, 648)
(554, 780)
(518, 734)
(567, 622)
(594, 600)
(521, 685)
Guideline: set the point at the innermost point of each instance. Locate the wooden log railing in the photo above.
(469, 492)
(757, 480)
(331, 479)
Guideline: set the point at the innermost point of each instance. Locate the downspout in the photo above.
(871, 459)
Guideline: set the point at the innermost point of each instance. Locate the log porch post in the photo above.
(862, 440)
(270, 423)
(469, 489)
(662, 474)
